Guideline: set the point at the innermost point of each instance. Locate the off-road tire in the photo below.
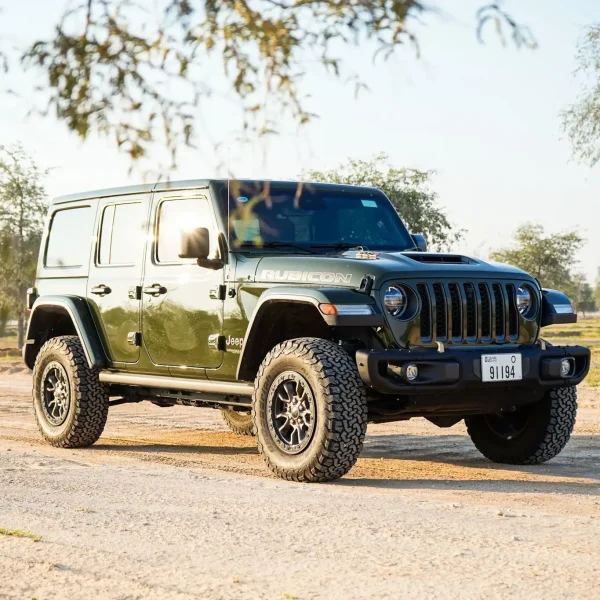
(88, 408)
(240, 423)
(549, 427)
(341, 410)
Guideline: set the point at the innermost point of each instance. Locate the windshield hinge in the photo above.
(366, 285)
(218, 293)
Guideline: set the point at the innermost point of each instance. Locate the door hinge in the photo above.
(134, 338)
(216, 342)
(135, 292)
(218, 293)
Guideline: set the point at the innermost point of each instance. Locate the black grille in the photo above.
(471, 312)
(486, 312)
(425, 312)
(513, 315)
(441, 322)
(499, 310)
(456, 306)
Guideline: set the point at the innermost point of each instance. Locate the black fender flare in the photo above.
(310, 296)
(556, 308)
(75, 308)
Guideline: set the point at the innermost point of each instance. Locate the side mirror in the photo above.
(195, 244)
(420, 241)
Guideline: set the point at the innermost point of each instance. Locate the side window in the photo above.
(175, 217)
(122, 234)
(70, 237)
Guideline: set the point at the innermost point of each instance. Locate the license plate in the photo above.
(501, 367)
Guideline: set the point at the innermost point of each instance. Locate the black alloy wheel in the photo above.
(56, 394)
(291, 404)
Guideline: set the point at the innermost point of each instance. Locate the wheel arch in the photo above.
(267, 325)
(52, 316)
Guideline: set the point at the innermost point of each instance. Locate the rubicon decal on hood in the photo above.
(306, 276)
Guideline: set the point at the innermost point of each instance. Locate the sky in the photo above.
(484, 117)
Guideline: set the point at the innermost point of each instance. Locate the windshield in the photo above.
(319, 220)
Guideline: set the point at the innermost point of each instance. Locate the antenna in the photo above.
(228, 199)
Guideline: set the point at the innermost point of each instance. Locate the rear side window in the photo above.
(69, 238)
(122, 234)
(175, 217)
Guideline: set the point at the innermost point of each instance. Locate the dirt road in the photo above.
(170, 505)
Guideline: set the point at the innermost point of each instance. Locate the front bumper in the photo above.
(459, 369)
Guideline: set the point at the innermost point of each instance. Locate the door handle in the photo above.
(101, 290)
(155, 289)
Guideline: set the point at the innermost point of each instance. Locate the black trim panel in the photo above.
(78, 311)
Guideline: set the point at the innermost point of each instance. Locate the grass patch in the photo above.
(20, 533)
(593, 379)
(8, 341)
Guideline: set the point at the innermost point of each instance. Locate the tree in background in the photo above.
(137, 73)
(551, 258)
(581, 294)
(581, 120)
(408, 190)
(22, 209)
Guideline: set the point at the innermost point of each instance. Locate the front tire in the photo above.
(529, 436)
(69, 401)
(309, 410)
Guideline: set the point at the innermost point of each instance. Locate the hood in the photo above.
(348, 268)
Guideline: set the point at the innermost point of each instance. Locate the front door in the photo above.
(116, 273)
(182, 305)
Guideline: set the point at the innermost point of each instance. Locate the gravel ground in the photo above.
(168, 504)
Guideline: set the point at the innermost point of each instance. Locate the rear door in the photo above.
(114, 284)
(182, 319)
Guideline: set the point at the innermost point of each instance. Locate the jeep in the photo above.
(302, 311)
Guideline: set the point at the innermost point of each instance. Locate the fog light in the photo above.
(565, 367)
(412, 372)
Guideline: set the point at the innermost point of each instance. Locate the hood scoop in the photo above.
(440, 259)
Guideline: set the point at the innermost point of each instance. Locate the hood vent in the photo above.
(440, 259)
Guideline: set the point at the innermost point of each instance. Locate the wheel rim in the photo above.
(56, 394)
(292, 412)
(508, 425)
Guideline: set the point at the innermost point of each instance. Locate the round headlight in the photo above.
(395, 301)
(524, 300)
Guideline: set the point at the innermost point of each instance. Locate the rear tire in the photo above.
(309, 410)
(70, 403)
(240, 423)
(529, 436)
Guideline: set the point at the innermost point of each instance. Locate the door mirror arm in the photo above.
(211, 263)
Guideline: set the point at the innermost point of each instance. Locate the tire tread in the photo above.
(562, 407)
(343, 393)
(89, 395)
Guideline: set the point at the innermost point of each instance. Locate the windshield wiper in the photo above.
(339, 246)
(348, 246)
(277, 245)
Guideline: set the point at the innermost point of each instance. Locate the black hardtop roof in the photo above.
(186, 184)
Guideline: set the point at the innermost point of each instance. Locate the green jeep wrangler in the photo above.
(303, 311)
